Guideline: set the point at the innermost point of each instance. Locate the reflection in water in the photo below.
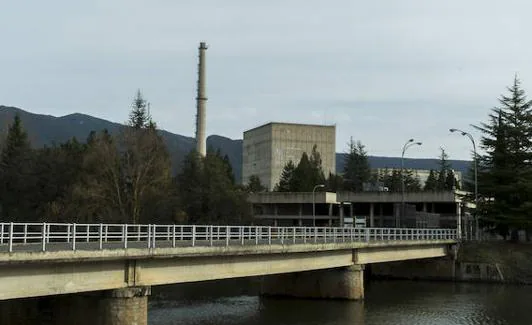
(394, 302)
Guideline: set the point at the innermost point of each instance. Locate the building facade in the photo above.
(268, 148)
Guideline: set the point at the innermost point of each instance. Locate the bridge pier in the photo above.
(127, 306)
(337, 283)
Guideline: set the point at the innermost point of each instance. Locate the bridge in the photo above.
(102, 273)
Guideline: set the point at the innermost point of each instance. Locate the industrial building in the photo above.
(268, 148)
(446, 209)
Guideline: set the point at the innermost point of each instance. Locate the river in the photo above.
(235, 302)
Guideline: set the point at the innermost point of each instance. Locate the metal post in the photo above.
(173, 236)
(44, 237)
(74, 237)
(314, 203)
(124, 230)
(10, 237)
(477, 232)
(407, 145)
(193, 235)
(100, 236)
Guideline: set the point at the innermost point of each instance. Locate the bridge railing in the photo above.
(62, 236)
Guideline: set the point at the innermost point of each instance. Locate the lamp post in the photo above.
(407, 145)
(314, 203)
(475, 172)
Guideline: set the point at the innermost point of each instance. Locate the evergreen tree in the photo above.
(334, 183)
(139, 117)
(445, 168)
(17, 180)
(286, 180)
(303, 179)
(411, 180)
(505, 173)
(431, 184)
(356, 167)
(316, 174)
(254, 185)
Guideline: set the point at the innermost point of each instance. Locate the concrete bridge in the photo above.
(102, 274)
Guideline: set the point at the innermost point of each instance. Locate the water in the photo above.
(390, 302)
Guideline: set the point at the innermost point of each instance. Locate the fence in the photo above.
(61, 236)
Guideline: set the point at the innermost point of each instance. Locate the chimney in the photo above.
(201, 100)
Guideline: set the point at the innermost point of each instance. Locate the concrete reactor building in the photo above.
(268, 148)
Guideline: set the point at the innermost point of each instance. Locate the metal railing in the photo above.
(71, 236)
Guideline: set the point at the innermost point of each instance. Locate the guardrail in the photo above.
(71, 236)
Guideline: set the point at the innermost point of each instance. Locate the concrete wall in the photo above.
(268, 148)
(395, 197)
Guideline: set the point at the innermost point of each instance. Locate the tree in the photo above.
(128, 173)
(207, 191)
(431, 184)
(286, 180)
(357, 170)
(505, 172)
(254, 185)
(445, 167)
(139, 117)
(17, 180)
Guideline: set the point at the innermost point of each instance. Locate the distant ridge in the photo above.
(47, 130)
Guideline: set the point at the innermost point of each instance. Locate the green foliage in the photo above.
(505, 173)
(303, 177)
(124, 177)
(334, 183)
(357, 170)
(18, 183)
(139, 117)
(431, 184)
(392, 180)
(254, 185)
(286, 180)
(208, 193)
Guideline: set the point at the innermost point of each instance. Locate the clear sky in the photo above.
(383, 71)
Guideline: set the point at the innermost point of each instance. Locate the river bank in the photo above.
(498, 262)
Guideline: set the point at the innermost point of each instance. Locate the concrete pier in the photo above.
(114, 307)
(338, 283)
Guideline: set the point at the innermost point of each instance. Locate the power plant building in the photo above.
(268, 148)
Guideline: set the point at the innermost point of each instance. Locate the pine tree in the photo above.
(431, 184)
(17, 179)
(356, 167)
(139, 117)
(286, 180)
(445, 167)
(505, 174)
(254, 185)
(304, 179)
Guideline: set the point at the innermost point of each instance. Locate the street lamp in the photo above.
(314, 203)
(407, 145)
(475, 171)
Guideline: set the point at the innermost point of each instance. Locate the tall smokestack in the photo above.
(201, 100)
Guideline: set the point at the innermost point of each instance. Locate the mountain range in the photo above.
(47, 129)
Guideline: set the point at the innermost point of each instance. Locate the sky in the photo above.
(382, 71)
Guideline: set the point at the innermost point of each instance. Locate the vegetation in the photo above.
(505, 170)
(124, 177)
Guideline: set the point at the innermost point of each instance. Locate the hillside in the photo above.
(47, 130)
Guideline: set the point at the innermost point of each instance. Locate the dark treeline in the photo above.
(358, 176)
(125, 177)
